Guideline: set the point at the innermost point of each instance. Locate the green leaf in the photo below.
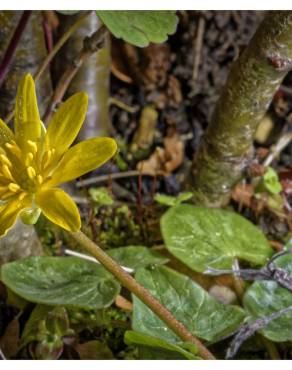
(152, 348)
(203, 237)
(61, 281)
(265, 297)
(101, 196)
(173, 201)
(203, 315)
(140, 27)
(46, 327)
(288, 245)
(39, 313)
(271, 181)
(45, 320)
(137, 256)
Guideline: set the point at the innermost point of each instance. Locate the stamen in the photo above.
(6, 195)
(5, 160)
(3, 189)
(46, 158)
(28, 159)
(6, 172)
(13, 187)
(40, 179)
(31, 172)
(33, 146)
(48, 178)
(14, 148)
(22, 196)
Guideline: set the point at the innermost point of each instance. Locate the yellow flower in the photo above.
(34, 161)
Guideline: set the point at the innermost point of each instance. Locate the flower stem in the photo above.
(143, 294)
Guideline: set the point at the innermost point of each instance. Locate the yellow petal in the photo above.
(27, 125)
(66, 123)
(82, 158)
(9, 213)
(6, 135)
(59, 208)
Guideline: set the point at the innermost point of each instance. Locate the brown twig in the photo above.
(247, 330)
(90, 45)
(59, 44)
(143, 294)
(113, 176)
(54, 51)
(8, 56)
(122, 105)
(48, 35)
(276, 149)
(198, 47)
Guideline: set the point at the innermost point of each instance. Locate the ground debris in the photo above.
(167, 159)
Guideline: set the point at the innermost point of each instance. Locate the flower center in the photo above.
(22, 172)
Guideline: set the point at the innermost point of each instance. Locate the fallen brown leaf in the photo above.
(164, 160)
(94, 350)
(123, 303)
(9, 341)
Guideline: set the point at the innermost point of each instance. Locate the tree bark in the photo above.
(22, 240)
(93, 77)
(30, 53)
(254, 78)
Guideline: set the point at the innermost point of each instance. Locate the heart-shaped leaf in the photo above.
(203, 237)
(61, 281)
(203, 315)
(171, 201)
(265, 297)
(152, 348)
(140, 27)
(137, 256)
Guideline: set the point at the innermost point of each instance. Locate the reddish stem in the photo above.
(48, 35)
(8, 56)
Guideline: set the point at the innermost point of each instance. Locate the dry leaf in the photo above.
(144, 135)
(94, 350)
(164, 160)
(9, 341)
(264, 129)
(243, 193)
(123, 303)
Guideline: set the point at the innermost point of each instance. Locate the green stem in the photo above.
(254, 78)
(143, 294)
